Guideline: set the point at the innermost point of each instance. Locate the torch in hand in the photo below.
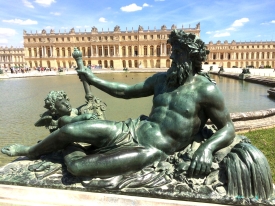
(77, 55)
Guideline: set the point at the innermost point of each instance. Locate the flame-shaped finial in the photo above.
(77, 54)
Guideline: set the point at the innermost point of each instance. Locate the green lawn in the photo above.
(265, 141)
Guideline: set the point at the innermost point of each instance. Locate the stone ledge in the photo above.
(19, 195)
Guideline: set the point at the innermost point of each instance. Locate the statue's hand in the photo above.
(201, 162)
(86, 73)
(89, 116)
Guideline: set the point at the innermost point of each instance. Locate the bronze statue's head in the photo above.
(188, 53)
(57, 102)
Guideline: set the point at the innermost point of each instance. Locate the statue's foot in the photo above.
(15, 150)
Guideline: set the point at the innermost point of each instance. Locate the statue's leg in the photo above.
(120, 161)
(96, 132)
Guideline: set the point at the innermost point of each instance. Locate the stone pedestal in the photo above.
(19, 195)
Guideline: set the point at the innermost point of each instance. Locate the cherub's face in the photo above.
(63, 107)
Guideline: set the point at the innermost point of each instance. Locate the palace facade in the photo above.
(10, 57)
(242, 54)
(141, 48)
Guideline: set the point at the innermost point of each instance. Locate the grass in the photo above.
(264, 140)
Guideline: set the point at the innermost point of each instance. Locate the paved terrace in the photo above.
(35, 73)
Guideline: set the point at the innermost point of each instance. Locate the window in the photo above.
(158, 36)
(145, 36)
(123, 37)
(129, 37)
(56, 39)
(83, 38)
(111, 37)
(77, 39)
(68, 38)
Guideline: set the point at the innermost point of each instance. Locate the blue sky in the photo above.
(239, 20)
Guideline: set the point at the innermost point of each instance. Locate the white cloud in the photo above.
(145, 5)
(20, 21)
(230, 29)
(273, 22)
(78, 27)
(7, 32)
(55, 13)
(209, 32)
(101, 19)
(27, 4)
(131, 8)
(222, 34)
(240, 22)
(44, 2)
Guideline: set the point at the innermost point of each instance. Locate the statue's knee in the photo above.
(66, 131)
(73, 168)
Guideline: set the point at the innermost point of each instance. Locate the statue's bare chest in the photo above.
(183, 100)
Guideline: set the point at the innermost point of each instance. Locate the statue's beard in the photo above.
(178, 73)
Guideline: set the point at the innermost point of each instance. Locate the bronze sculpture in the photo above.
(173, 139)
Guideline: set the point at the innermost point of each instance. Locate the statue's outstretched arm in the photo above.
(215, 109)
(121, 90)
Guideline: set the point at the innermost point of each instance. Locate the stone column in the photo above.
(66, 51)
(92, 51)
(96, 48)
(108, 50)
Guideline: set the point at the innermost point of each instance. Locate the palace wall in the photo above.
(11, 57)
(242, 54)
(140, 48)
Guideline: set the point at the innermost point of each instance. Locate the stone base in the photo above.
(19, 195)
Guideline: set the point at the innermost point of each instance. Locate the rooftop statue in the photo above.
(171, 146)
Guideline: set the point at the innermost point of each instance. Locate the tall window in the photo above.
(151, 50)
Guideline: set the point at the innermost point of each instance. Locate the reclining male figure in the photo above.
(183, 100)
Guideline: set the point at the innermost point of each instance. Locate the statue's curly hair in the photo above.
(197, 50)
(51, 99)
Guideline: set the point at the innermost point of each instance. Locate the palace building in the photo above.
(242, 54)
(11, 57)
(142, 48)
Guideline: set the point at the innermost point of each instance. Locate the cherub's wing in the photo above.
(45, 120)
